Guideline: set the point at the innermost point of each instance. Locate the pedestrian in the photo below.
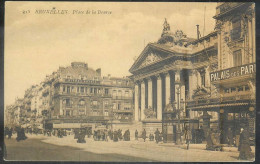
(6, 131)
(244, 145)
(193, 135)
(187, 135)
(10, 133)
(136, 134)
(157, 135)
(120, 136)
(144, 135)
(209, 145)
(81, 137)
(115, 136)
(151, 137)
(230, 137)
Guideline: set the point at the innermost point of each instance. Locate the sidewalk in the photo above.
(203, 147)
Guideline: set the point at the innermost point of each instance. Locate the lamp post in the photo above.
(178, 133)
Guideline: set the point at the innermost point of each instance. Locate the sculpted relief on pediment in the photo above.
(151, 58)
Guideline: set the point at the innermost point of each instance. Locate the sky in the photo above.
(37, 44)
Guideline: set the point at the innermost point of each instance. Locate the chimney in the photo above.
(198, 31)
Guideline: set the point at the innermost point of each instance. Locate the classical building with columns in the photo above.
(167, 74)
(207, 82)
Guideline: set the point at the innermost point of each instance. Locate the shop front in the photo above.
(233, 100)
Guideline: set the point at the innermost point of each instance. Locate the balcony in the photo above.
(122, 97)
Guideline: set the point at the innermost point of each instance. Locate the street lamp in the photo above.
(178, 133)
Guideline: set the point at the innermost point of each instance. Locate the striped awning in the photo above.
(217, 106)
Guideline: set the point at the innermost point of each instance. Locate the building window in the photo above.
(126, 93)
(94, 103)
(237, 58)
(119, 93)
(203, 79)
(64, 89)
(95, 90)
(106, 91)
(119, 106)
(127, 106)
(86, 90)
(68, 89)
(233, 89)
(67, 112)
(239, 89)
(114, 93)
(78, 89)
(91, 90)
(67, 102)
(106, 104)
(106, 113)
(236, 29)
(114, 105)
(82, 89)
(82, 103)
(72, 89)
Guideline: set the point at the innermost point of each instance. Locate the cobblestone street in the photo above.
(53, 148)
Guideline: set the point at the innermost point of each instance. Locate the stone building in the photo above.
(233, 83)
(81, 97)
(167, 74)
(207, 82)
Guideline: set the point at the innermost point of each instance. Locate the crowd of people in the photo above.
(212, 137)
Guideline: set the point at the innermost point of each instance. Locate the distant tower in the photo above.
(166, 28)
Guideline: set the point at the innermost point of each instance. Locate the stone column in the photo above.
(192, 82)
(253, 36)
(219, 50)
(61, 108)
(159, 97)
(167, 88)
(142, 100)
(177, 84)
(150, 93)
(207, 77)
(136, 102)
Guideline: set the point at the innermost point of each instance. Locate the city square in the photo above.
(188, 95)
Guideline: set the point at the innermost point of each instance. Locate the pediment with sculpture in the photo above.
(150, 59)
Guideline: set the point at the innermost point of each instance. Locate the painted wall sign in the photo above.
(233, 72)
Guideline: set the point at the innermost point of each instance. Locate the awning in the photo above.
(67, 125)
(217, 106)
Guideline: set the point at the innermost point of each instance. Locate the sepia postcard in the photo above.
(129, 81)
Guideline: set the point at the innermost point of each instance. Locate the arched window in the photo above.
(82, 103)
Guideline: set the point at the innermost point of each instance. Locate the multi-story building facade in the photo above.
(205, 81)
(76, 96)
(233, 83)
(80, 96)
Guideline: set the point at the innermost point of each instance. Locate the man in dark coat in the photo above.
(230, 137)
(209, 145)
(144, 135)
(136, 134)
(187, 136)
(115, 136)
(81, 137)
(10, 133)
(157, 135)
(244, 145)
